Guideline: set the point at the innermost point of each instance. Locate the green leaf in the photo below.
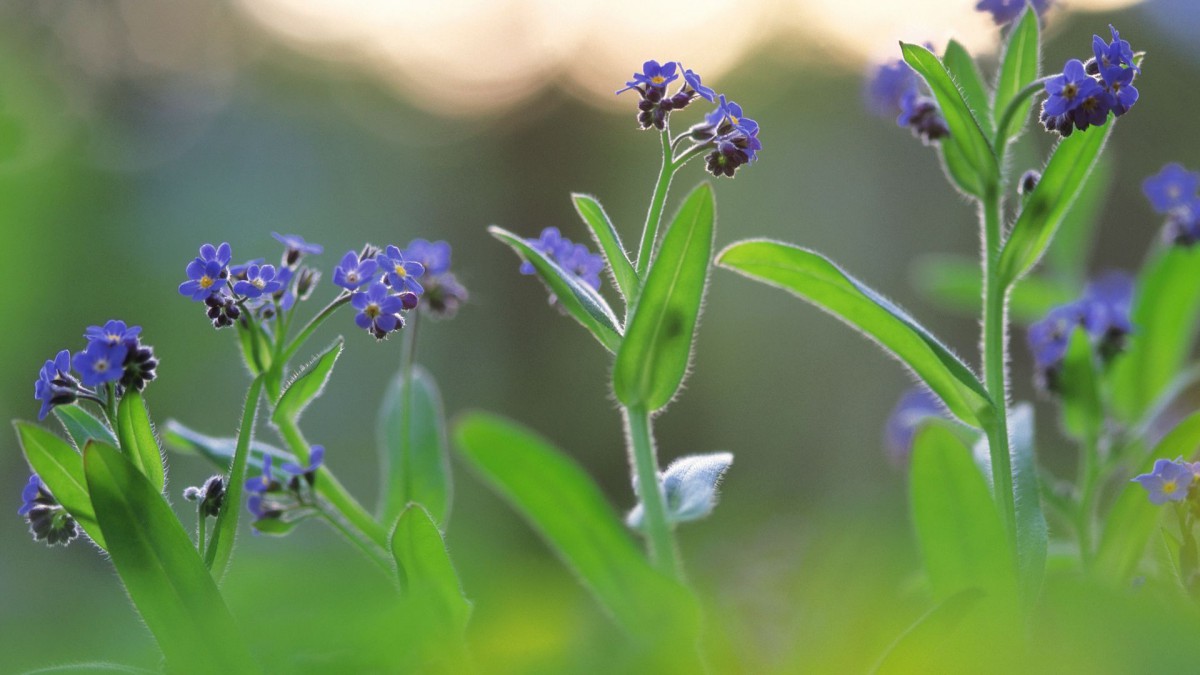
(218, 451)
(609, 241)
(566, 508)
(954, 282)
(961, 537)
(1131, 522)
(812, 277)
(1032, 531)
(1068, 254)
(427, 576)
(979, 169)
(61, 469)
(308, 384)
(276, 527)
(964, 71)
(82, 426)
(412, 442)
(580, 300)
(1166, 313)
(160, 568)
(256, 349)
(1019, 67)
(136, 433)
(910, 652)
(1047, 206)
(653, 358)
(1079, 384)
(220, 544)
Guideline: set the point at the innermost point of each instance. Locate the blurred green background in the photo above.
(132, 132)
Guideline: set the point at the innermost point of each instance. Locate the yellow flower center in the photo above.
(206, 281)
(1070, 91)
(259, 283)
(101, 365)
(400, 271)
(658, 79)
(1169, 487)
(372, 310)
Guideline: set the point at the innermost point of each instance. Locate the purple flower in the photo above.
(435, 256)
(887, 88)
(260, 280)
(100, 363)
(653, 76)
(315, 459)
(1171, 188)
(55, 386)
(1049, 338)
(113, 332)
(30, 493)
(48, 520)
(207, 273)
(265, 482)
(1005, 11)
(728, 111)
(914, 407)
(352, 273)
(1070, 89)
(550, 241)
(400, 274)
(1106, 307)
(1114, 56)
(1168, 482)
(693, 81)
(575, 259)
(378, 310)
(923, 115)
(733, 150)
(295, 244)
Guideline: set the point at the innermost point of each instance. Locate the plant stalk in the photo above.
(659, 536)
(654, 215)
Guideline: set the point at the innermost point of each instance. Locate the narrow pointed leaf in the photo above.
(964, 71)
(138, 440)
(609, 241)
(813, 278)
(1019, 67)
(980, 168)
(165, 577)
(1051, 200)
(654, 356)
(1068, 255)
(82, 426)
(571, 514)
(1083, 410)
(61, 469)
(220, 544)
(427, 576)
(412, 444)
(307, 386)
(218, 451)
(580, 300)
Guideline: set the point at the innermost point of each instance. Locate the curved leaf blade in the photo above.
(220, 543)
(138, 440)
(1051, 200)
(1033, 536)
(427, 576)
(307, 386)
(61, 469)
(218, 451)
(580, 300)
(653, 359)
(964, 71)
(413, 448)
(81, 426)
(160, 568)
(813, 278)
(1019, 67)
(605, 234)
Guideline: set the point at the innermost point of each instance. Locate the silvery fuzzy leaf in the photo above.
(690, 487)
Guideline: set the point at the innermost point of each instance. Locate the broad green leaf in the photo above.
(580, 300)
(61, 469)
(812, 277)
(218, 451)
(958, 169)
(653, 358)
(910, 652)
(256, 350)
(1132, 521)
(980, 168)
(1018, 69)
(165, 577)
(82, 426)
(1166, 316)
(411, 430)
(220, 543)
(954, 282)
(961, 536)
(1079, 386)
(566, 508)
(1046, 207)
(1032, 531)
(964, 71)
(136, 434)
(427, 576)
(1068, 254)
(307, 386)
(609, 241)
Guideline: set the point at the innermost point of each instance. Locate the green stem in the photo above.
(314, 323)
(663, 553)
(368, 547)
(201, 528)
(330, 489)
(654, 216)
(410, 356)
(220, 547)
(1015, 106)
(995, 344)
(110, 404)
(1089, 474)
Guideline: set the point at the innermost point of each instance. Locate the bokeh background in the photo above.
(132, 131)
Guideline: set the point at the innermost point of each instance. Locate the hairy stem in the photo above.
(654, 215)
(659, 536)
(220, 546)
(294, 346)
(369, 547)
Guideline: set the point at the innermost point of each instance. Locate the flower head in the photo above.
(914, 407)
(55, 386)
(573, 258)
(693, 80)
(1171, 188)
(733, 150)
(101, 363)
(315, 459)
(352, 272)
(1070, 89)
(266, 481)
(295, 247)
(399, 273)
(1168, 482)
(1112, 57)
(378, 310)
(1049, 338)
(1005, 11)
(260, 280)
(888, 86)
(207, 273)
(434, 256)
(1106, 305)
(653, 76)
(923, 116)
(48, 520)
(113, 332)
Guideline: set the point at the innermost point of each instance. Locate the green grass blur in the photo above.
(109, 180)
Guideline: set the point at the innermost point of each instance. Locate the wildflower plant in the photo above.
(108, 483)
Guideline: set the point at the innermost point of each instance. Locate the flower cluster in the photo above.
(731, 137)
(895, 90)
(1005, 11)
(1103, 312)
(114, 360)
(1083, 94)
(48, 520)
(380, 302)
(914, 407)
(1173, 193)
(1171, 481)
(443, 293)
(289, 500)
(575, 259)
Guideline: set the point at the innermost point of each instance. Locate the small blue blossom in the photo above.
(101, 363)
(1049, 338)
(239, 271)
(887, 88)
(113, 332)
(1005, 11)
(550, 241)
(296, 246)
(378, 310)
(351, 272)
(693, 81)
(399, 273)
(914, 407)
(1171, 188)
(207, 273)
(435, 256)
(733, 150)
(265, 482)
(55, 386)
(260, 280)
(315, 459)
(1106, 306)
(1114, 56)
(728, 111)
(575, 259)
(29, 494)
(48, 520)
(923, 116)
(443, 293)
(1168, 482)
(1069, 90)
(653, 76)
